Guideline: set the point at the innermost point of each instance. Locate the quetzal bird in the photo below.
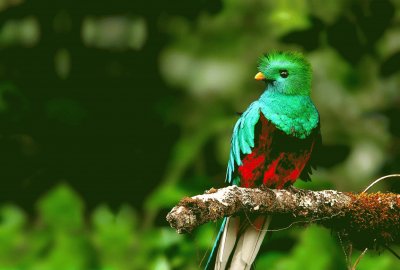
(273, 144)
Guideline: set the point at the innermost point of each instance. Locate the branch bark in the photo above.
(367, 220)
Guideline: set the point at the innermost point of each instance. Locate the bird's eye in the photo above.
(284, 73)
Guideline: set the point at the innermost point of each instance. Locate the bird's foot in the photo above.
(292, 189)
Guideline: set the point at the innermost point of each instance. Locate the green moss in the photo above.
(373, 220)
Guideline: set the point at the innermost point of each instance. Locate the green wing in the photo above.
(242, 138)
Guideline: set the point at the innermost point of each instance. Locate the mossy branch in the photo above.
(367, 220)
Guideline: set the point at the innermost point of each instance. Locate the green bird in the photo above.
(273, 144)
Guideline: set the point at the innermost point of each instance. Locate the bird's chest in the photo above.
(293, 115)
(276, 160)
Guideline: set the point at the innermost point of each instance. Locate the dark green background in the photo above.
(111, 111)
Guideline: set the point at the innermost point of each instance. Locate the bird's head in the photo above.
(285, 72)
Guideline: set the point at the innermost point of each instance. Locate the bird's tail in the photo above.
(240, 238)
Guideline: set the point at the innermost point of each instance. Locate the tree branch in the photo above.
(367, 220)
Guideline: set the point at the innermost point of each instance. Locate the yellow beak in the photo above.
(259, 76)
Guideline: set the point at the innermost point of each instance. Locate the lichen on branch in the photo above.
(367, 220)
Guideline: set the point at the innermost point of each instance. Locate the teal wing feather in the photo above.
(242, 138)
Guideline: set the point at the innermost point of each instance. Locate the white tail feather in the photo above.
(227, 242)
(248, 245)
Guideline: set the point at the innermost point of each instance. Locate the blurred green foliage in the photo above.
(63, 236)
(189, 66)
